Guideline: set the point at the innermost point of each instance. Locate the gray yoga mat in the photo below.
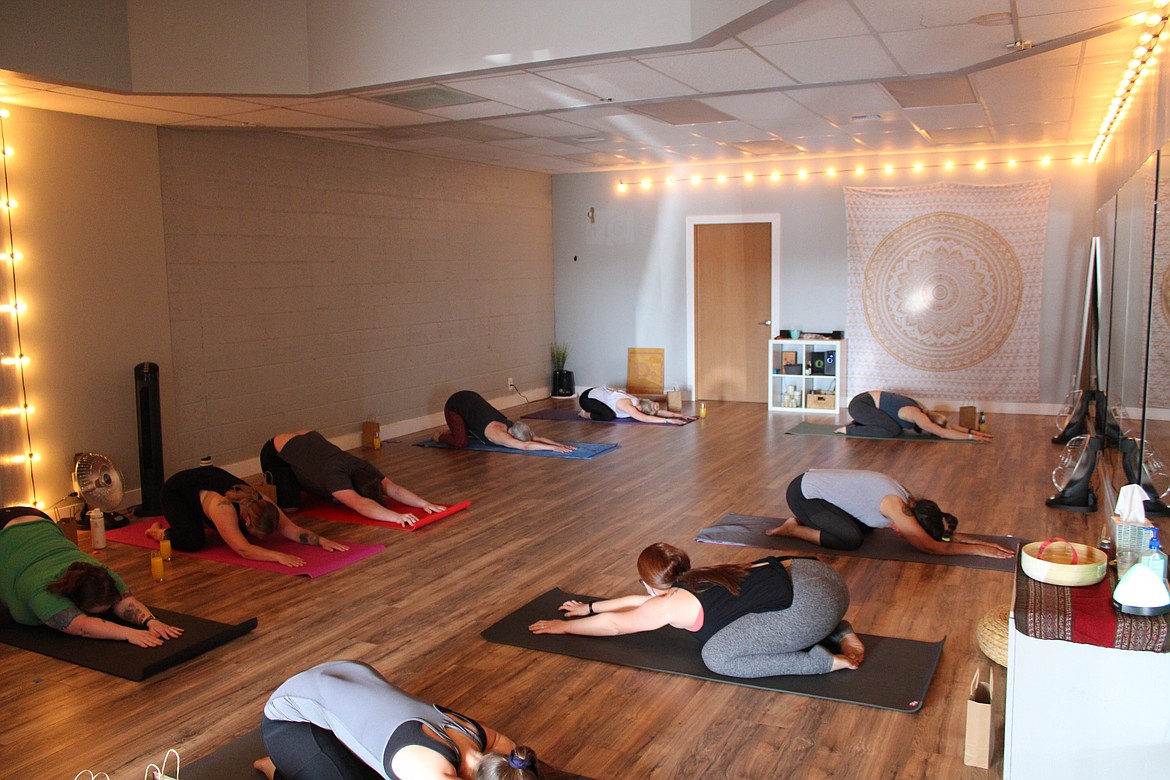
(883, 543)
(895, 675)
(123, 659)
(234, 760)
(830, 429)
(585, 450)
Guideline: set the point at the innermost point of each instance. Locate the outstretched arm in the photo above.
(627, 406)
(618, 616)
(404, 496)
(909, 529)
(223, 516)
(498, 434)
(136, 613)
(374, 510)
(294, 533)
(950, 431)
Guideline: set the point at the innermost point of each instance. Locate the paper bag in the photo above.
(977, 749)
(674, 400)
(371, 435)
(968, 417)
(266, 488)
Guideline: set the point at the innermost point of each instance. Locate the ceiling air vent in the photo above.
(422, 98)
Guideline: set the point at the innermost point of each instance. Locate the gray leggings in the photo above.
(763, 644)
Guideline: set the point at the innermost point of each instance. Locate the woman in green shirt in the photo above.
(46, 579)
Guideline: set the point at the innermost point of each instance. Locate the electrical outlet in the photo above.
(510, 384)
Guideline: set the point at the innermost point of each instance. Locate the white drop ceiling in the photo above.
(816, 79)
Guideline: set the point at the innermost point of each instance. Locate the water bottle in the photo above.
(1154, 559)
(97, 529)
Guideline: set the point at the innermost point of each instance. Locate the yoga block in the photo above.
(822, 401)
(674, 400)
(371, 435)
(968, 417)
(977, 750)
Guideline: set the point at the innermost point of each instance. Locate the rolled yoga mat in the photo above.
(318, 562)
(830, 429)
(330, 510)
(123, 659)
(895, 675)
(585, 450)
(555, 413)
(234, 760)
(882, 543)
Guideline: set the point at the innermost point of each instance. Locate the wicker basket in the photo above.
(1059, 562)
(992, 634)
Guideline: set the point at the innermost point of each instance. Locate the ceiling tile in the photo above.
(628, 80)
(720, 71)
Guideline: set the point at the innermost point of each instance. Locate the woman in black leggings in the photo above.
(203, 497)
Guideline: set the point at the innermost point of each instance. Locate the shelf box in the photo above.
(821, 401)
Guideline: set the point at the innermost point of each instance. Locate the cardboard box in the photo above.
(977, 748)
(821, 401)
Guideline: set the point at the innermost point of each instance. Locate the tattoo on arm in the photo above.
(309, 538)
(133, 615)
(62, 619)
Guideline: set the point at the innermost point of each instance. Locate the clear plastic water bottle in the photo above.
(1154, 559)
(97, 529)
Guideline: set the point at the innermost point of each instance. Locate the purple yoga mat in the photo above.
(571, 414)
(318, 562)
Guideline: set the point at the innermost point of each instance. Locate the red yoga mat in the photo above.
(328, 510)
(318, 562)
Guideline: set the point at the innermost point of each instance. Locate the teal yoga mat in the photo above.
(827, 429)
(584, 451)
(884, 544)
(896, 673)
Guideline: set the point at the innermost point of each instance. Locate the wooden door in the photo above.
(733, 268)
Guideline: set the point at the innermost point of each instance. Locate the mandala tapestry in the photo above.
(944, 290)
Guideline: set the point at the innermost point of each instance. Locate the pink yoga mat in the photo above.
(318, 562)
(328, 510)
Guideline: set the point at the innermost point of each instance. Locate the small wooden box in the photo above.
(821, 401)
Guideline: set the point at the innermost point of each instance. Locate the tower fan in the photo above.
(99, 485)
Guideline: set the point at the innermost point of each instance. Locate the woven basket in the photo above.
(992, 634)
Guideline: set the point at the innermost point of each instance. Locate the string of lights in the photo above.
(14, 308)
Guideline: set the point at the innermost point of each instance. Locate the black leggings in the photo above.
(10, 513)
(597, 410)
(288, 489)
(839, 529)
(303, 751)
(869, 420)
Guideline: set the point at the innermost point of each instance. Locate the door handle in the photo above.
(765, 322)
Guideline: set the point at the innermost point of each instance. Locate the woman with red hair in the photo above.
(771, 617)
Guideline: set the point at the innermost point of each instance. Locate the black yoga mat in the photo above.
(882, 543)
(895, 675)
(830, 429)
(234, 760)
(123, 659)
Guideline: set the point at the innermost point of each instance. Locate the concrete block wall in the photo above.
(314, 284)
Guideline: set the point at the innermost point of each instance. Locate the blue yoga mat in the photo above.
(584, 451)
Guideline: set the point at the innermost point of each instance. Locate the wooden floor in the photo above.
(415, 611)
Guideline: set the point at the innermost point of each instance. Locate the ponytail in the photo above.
(519, 764)
(939, 524)
(663, 565)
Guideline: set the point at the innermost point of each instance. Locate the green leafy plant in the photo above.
(560, 353)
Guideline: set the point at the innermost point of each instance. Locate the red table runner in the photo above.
(1085, 615)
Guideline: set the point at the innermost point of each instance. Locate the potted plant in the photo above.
(562, 380)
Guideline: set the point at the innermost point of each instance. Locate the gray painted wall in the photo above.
(297, 284)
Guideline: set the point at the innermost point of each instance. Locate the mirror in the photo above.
(1135, 320)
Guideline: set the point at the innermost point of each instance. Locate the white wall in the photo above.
(89, 224)
(627, 285)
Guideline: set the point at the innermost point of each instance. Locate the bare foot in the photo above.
(435, 437)
(584, 415)
(785, 529)
(841, 662)
(842, 429)
(265, 767)
(852, 649)
(156, 531)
